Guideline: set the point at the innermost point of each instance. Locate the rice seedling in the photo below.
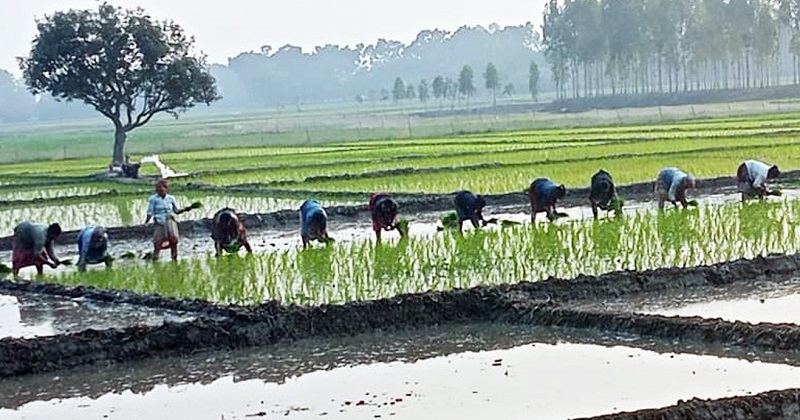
(358, 270)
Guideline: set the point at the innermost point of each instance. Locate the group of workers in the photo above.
(33, 243)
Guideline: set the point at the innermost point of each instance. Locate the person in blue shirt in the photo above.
(93, 247)
(469, 207)
(313, 223)
(544, 194)
(671, 185)
(162, 209)
(602, 192)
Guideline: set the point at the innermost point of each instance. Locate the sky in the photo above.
(225, 28)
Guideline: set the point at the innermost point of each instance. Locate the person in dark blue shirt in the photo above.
(313, 223)
(602, 192)
(93, 247)
(544, 194)
(469, 207)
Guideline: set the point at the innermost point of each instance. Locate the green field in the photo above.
(353, 161)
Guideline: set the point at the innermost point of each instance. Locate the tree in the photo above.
(465, 85)
(411, 91)
(533, 80)
(492, 81)
(508, 90)
(423, 91)
(399, 90)
(439, 91)
(121, 62)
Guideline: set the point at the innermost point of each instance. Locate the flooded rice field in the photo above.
(131, 211)
(753, 302)
(30, 315)
(476, 371)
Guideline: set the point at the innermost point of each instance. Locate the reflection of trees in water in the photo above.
(307, 356)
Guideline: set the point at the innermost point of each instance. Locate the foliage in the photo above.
(120, 62)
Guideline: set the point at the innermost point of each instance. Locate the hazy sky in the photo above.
(224, 28)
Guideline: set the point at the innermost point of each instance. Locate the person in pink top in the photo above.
(752, 177)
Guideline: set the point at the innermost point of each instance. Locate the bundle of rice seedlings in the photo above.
(450, 220)
(402, 226)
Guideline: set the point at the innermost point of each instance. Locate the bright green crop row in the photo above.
(360, 270)
(573, 174)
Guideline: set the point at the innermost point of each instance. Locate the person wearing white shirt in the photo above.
(752, 177)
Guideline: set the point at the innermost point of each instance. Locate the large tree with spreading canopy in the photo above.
(125, 64)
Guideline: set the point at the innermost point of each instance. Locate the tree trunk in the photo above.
(119, 146)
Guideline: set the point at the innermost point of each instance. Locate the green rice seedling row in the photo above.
(361, 270)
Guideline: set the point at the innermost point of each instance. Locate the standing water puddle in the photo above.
(467, 372)
(761, 301)
(31, 315)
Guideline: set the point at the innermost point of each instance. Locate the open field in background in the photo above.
(199, 131)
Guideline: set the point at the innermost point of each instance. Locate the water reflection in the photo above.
(528, 360)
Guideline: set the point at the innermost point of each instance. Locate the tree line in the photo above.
(597, 47)
(463, 87)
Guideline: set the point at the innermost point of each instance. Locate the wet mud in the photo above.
(544, 303)
(783, 404)
(35, 315)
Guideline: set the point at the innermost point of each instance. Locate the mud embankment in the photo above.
(519, 304)
(783, 404)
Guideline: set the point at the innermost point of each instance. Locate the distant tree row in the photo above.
(637, 46)
(444, 88)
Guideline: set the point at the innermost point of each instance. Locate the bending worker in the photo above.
(671, 185)
(93, 247)
(33, 246)
(752, 177)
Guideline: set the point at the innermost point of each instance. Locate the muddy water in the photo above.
(31, 316)
(469, 372)
(763, 301)
(283, 237)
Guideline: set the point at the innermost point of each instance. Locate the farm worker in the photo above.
(162, 209)
(313, 223)
(602, 192)
(544, 194)
(469, 207)
(229, 232)
(383, 210)
(93, 247)
(752, 177)
(671, 185)
(33, 246)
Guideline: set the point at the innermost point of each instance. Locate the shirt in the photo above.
(307, 211)
(545, 191)
(671, 180)
(31, 236)
(757, 172)
(467, 206)
(162, 208)
(88, 254)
